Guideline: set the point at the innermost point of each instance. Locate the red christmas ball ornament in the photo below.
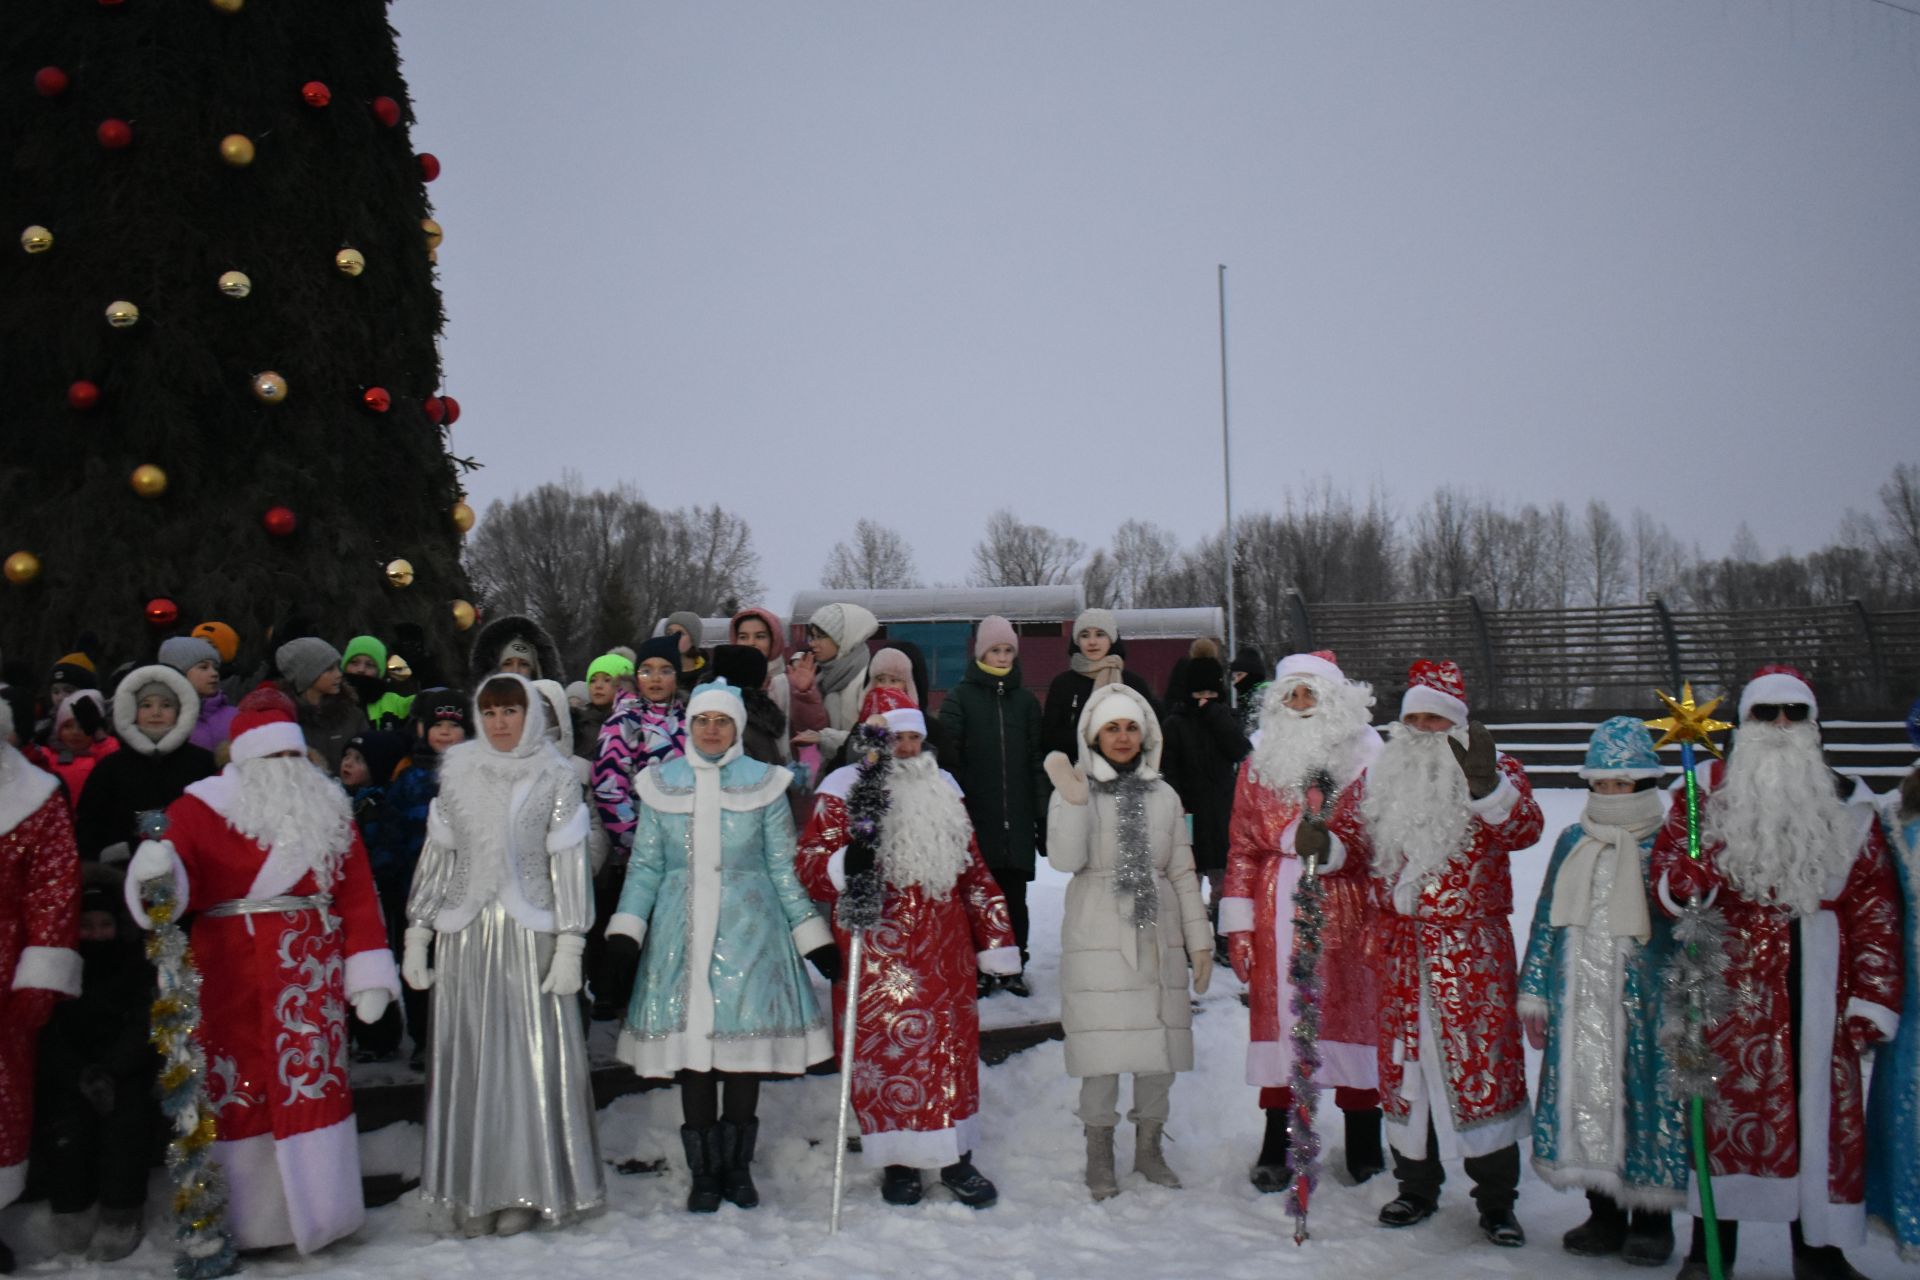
(82, 395)
(452, 408)
(114, 134)
(162, 612)
(429, 166)
(50, 82)
(376, 399)
(386, 110)
(279, 521)
(435, 410)
(315, 94)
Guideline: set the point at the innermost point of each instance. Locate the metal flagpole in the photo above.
(846, 1076)
(1226, 464)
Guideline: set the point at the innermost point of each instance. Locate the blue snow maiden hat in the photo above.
(1913, 723)
(1621, 748)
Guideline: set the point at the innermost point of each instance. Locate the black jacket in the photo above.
(990, 743)
(1201, 756)
(127, 783)
(1068, 693)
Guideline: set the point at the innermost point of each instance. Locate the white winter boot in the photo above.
(1147, 1160)
(1100, 1180)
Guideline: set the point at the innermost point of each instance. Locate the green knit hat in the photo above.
(610, 664)
(368, 647)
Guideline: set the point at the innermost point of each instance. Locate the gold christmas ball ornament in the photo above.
(462, 515)
(122, 314)
(229, 6)
(148, 481)
(36, 239)
(397, 668)
(237, 150)
(399, 573)
(432, 231)
(269, 387)
(463, 614)
(24, 566)
(350, 262)
(236, 284)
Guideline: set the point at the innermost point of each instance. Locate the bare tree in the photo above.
(1898, 540)
(1659, 562)
(1603, 553)
(1014, 554)
(874, 557)
(1143, 555)
(1440, 562)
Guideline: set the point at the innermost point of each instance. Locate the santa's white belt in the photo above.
(270, 906)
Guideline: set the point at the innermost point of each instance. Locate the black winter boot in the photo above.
(1270, 1171)
(6, 1259)
(1364, 1154)
(900, 1184)
(1604, 1231)
(703, 1161)
(1649, 1240)
(736, 1159)
(1819, 1262)
(969, 1186)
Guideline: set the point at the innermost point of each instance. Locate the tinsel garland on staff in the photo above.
(865, 894)
(1303, 976)
(204, 1246)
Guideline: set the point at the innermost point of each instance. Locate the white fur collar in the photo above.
(126, 706)
(23, 788)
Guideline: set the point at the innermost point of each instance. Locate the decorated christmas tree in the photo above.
(221, 385)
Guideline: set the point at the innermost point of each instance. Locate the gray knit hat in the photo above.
(691, 623)
(304, 660)
(184, 653)
(1098, 619)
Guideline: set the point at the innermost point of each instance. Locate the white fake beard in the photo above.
(298, 813)
(1295, 745)
(1785, 832)
(1416, 811)
(925, 837)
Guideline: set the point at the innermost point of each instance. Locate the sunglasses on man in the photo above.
(1770, 711)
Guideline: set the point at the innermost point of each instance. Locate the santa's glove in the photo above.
(1691, 879)
(371, 1005)
(860, 858)
(1477, 760)
(1202, 969)
(153, 860)
(413, 960)
(1864, 1032)
(1310, 840)
(1240, 955)
(621, 965)
(563, 974)
(96, 1087)
(827, 961)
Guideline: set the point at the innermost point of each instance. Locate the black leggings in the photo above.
(1013, 887)
(701, 1098)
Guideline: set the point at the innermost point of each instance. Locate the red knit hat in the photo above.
(1438, 688)
(265, 723)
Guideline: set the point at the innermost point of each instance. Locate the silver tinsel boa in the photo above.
(1133, 867)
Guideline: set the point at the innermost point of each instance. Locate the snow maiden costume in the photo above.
(502, 894)
(1893, 1109)
(1595, 966)
(721, 922)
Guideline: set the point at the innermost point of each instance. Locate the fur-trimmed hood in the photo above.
(1095, 765)
(484, 658)
(126, 702)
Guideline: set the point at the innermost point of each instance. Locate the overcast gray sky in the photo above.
(914, 261)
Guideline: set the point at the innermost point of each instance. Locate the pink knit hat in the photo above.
(993, 630)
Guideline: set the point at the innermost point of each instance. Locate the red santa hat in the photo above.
(265, 724)
(1436, 687)
(1778, 682)
(895, 708)
(1320, 663)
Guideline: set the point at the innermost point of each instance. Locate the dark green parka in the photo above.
(991, 731)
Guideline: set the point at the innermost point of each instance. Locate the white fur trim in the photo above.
(1777, 686)
(571, 833)
(837, 868)
(126, 704)
(25, 789)
(661, 1057)
(811, 934)
(13, 1180)
(372, 970)
(1236, 915)
(275, 736)
(1608, 1183)
(921, 1148)
(1355, 1066)
(303, 1189)
(130, 888)
(720, 697)
(1423, 697)
(438, 830)
(1878, 1014)
(1101, 709)
(1296, 665)
(1000, 960)
(906, 720)
(256, 1202)
(839, 783)
(48, 969)
(1496, 806)
(624, 924)
(1531, 1006)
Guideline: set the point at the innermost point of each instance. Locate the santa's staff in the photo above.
(1697, 978)
(858, 910)
(1303, 1139)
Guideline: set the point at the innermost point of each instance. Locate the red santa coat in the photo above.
(39, 909)
(916, 1053)
(1452, 961)
(1262, 873)
(1850, 966)
(274, 1009)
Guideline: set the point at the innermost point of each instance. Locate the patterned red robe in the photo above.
(274, 1009)
(916, 1054)
(1850, 966)
(1262, 872)
(39, 909)
(1452, 961)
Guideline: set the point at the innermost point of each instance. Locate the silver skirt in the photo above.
(510, 1119)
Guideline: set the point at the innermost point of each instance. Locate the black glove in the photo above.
(620, 965)
(1477, 760)
(860, 857)
(87, 715)
(1310, 840)
(827, 960)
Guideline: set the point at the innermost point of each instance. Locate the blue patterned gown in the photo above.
(1893, 1107)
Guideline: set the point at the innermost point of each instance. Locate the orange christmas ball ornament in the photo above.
(463, 517)
(463, 614)
(149, 481)
(24, 566)
(269, 387)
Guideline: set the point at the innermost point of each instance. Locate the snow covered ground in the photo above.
(1044, 1228)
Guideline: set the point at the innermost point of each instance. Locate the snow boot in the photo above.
(1603, 1233)
(703, 1162)
(1148, 1161)
(1649, 1241)
(984, 986)
(969, 1186)
(1270, 1174)
(1824, 1262)
(1016, 984)
(900, 1184)
(736, 1173)
(513, 1221)
(1100, 1181)
(1502, 1228)
(6, 1259)
(73, 1232)
(1405, 1210)
(119, 1234)
(1364, 1154)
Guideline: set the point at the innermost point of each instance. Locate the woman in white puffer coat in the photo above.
(1133, 923)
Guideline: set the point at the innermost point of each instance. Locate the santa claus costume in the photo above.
(1435, 818)
(287, 932)
(1313, 731)
(39, 909)
(1812, 911)
(916, 1053)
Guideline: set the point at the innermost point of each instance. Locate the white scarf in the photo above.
(1612, 827)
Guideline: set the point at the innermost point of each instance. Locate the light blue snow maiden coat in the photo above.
(1893, 1109)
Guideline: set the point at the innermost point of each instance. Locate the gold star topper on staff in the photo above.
(1688, 722)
